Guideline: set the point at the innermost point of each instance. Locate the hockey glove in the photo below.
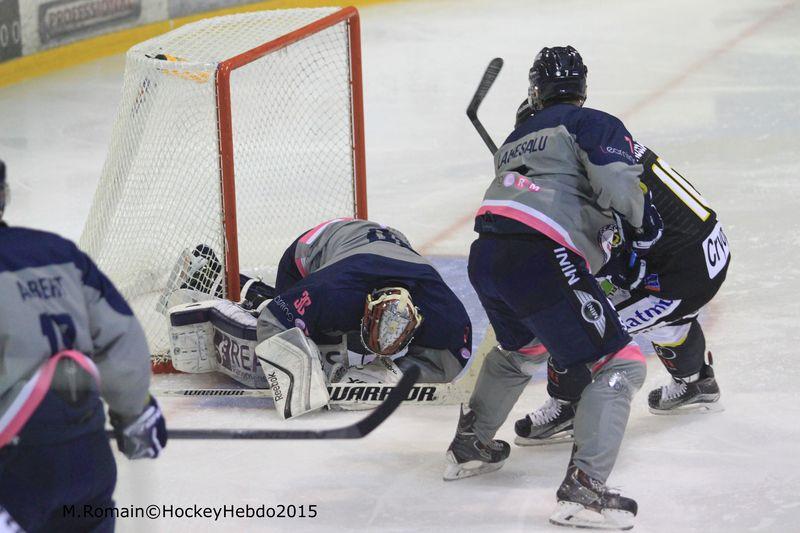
(652, 228)
(142, 437)
(625, 270)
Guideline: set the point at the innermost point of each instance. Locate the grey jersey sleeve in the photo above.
(119, 344)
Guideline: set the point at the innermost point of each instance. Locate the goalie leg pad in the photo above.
(192, 337)
(215, 335)
(291, 362)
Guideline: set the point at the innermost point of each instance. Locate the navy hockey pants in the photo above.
(530, 287)
(57, 478)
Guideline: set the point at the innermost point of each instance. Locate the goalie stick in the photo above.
(360, 429)
(344, 394)
(489, 75)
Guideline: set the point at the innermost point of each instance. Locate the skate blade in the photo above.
(692, 408)
(455, 471)
(555, 439)
(573, 514)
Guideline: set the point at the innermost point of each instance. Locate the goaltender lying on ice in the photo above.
(344, 280)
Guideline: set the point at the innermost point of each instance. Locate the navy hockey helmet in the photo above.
(558, 74)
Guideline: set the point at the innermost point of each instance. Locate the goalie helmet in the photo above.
(3, 188)
(390, 321)
(558, 74)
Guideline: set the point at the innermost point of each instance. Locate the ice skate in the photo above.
(585, 502)
(695, 394)
(467, 456)
(549, 424)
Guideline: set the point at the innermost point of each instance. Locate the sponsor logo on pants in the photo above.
(569, 270)
(592, 311)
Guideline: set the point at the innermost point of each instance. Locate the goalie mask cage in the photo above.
(234, 134)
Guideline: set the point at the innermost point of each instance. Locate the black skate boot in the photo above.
(549, 424)
(696, 393)
(587, 503)
(467, 456)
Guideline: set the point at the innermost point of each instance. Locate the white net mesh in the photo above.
(160, 195)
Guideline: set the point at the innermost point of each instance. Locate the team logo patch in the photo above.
(592, 311)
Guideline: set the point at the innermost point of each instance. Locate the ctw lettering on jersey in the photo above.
(41, 288)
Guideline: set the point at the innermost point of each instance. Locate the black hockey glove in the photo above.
(643, 238)
(141, 437)
(625, 270)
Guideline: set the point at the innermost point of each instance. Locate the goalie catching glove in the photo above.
(143, 436)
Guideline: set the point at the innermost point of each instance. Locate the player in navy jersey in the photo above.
(563, 179)
(67, 339)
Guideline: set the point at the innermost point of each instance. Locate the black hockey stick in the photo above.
(360, 429)
(489, 75)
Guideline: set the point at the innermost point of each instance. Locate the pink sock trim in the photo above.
(631, 352)
(537, 349)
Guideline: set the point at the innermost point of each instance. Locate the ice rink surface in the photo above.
(712, 86)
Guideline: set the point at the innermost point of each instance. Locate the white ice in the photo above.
(712, 86)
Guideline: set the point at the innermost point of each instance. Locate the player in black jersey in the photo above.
(659, 298)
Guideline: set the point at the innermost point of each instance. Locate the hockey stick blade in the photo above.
(489, 76)
(360, 429)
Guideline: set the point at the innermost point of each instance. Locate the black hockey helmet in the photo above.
(558, 74)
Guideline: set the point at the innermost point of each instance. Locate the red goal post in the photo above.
(227, 165)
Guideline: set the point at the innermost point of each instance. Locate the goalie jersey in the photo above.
(55, 298)
(326, 274)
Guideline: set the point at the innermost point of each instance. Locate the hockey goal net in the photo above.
(234, 135)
